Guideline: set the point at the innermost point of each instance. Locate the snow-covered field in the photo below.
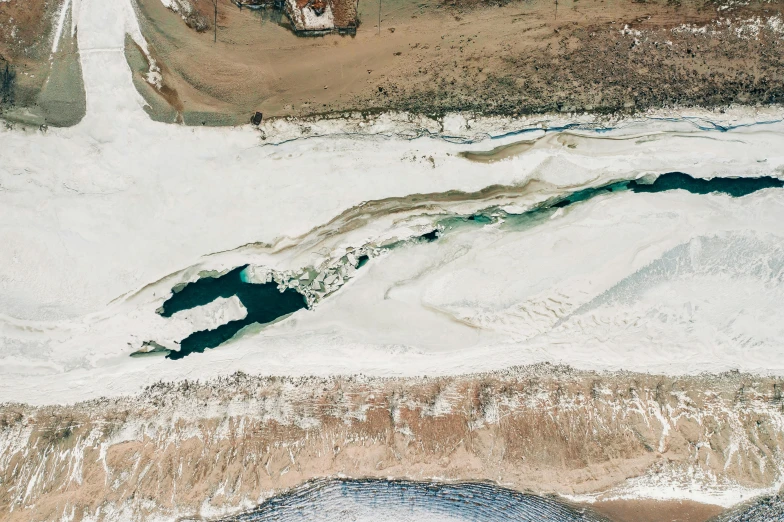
(101, 220)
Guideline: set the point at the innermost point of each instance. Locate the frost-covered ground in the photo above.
(101, 220)
(199, 450)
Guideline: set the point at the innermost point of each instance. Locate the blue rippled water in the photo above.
(403, 501)
(767, 509)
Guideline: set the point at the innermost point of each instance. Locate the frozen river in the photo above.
(421, 247)
(100, 221)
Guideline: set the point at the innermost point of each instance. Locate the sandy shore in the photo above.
(656, 511)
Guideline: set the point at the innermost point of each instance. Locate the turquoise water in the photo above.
(264, 303)
(376, 500)
(735, 187)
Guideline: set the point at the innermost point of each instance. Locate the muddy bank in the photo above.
(219, 447)
(490, 58)
(40, 74)
(622, 66)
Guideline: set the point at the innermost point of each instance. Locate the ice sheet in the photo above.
(99, 221)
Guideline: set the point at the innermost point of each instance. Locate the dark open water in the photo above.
(265, 303)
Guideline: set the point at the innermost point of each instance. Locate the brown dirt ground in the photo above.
(25, 29)
(543, 429)
(47, 89)
(656, 511)
(489, 57)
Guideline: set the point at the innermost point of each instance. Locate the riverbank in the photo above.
(488, 58)
(211, 448)
(507, 59)
(39, 63)
(325, 194)
(408, 369)
(499, 131)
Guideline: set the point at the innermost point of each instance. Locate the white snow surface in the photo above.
(695, 484)
(308, 18)
(99, 221)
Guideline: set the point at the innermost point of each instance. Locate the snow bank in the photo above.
(101, 220)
